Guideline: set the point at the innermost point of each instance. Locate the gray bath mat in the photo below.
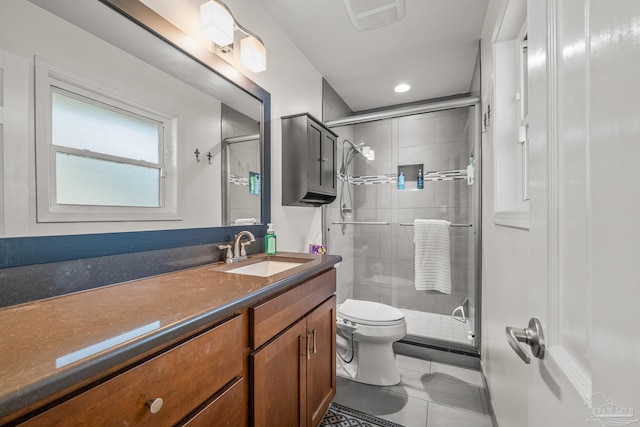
(341, 416)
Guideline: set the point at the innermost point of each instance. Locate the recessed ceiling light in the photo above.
(403, 87)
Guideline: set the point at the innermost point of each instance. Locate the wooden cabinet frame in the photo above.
(293, 368)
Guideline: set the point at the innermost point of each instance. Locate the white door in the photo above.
(584, 122)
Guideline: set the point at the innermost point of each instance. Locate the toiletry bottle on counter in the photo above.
(270, 241)
(401, 181)
(420, 180)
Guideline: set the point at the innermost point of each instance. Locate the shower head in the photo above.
(368, 152)
(365, 150)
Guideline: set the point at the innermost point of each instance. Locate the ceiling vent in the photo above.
(370, 14)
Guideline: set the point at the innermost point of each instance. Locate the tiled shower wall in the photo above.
(383, 255)
(334, 107)
(342, 243)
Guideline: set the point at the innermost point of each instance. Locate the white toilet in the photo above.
(366, 332)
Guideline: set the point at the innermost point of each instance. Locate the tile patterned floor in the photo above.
(437, 326)
(430, 395)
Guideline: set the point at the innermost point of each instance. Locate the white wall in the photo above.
(295, 87)
(506, 270)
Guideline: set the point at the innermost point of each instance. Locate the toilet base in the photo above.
(377, 367)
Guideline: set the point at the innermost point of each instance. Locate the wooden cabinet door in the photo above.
(279, 380)
(321, 365)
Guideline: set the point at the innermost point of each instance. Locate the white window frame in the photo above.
(510, 126)
(523, 99)
(50, 78)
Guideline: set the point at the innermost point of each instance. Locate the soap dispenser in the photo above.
(420, 179)
(270, 241)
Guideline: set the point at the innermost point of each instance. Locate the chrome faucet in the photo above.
(239, 252)
(238, 247)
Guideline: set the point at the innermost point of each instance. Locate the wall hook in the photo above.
(209, 156)
(197, 153)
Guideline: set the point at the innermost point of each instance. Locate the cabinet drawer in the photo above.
(226, 409)
(183, 377)
(274, 315)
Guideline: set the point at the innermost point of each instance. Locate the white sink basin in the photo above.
(264, 268)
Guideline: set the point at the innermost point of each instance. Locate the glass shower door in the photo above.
(380, 213)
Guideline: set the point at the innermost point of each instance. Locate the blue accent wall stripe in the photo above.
(21, 251)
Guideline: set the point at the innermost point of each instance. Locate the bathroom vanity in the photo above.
(199, 347)
(288, 389)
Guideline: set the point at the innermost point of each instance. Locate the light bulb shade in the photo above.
(253, 54)
(217, 23)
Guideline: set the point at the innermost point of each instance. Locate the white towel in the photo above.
(245, 221)
(433, 266)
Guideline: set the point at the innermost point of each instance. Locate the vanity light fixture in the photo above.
(217, 22)
(253, 54)
(401, 88)
(219, 25)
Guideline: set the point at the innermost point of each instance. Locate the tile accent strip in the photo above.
(391, 178)
(239, 180)
(373, 179)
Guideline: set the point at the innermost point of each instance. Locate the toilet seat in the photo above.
(370, 313)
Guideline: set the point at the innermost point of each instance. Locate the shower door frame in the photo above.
(470, 349)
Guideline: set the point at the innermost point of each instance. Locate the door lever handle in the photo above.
(532, 335)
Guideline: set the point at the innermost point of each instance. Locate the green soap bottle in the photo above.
(270, 241)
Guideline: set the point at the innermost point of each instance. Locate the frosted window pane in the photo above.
(95, 182)
(86, 126)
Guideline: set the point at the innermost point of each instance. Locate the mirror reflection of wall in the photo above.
(130, 64)
(241, 172)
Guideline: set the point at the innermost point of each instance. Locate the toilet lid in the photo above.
(370, 313)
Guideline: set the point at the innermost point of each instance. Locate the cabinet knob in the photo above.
(155, 405)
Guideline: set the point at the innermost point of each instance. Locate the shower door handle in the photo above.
(532, 335)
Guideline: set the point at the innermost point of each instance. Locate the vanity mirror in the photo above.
(122, 59)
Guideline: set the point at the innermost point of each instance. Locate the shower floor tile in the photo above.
(440, 326)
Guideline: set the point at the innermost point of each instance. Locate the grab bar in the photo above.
(410, 224)
(360, 222)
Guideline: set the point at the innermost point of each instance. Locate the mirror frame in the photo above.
(24, 251)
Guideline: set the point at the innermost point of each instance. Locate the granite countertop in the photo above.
(54, 345)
